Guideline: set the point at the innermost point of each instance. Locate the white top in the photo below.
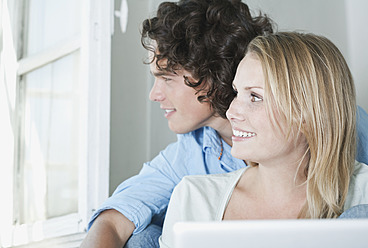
(205, 197)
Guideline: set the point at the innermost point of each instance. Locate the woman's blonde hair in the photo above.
(308, 84)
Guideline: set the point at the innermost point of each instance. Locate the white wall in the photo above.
(128, 133)
(342, 21)
(357, 33)
(139, 130)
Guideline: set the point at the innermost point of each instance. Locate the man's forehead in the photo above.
(157, 72)
(161, 70)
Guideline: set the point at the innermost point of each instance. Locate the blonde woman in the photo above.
(294, 123)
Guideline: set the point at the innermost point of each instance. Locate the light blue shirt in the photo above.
(147, 195)
(144, 198)
(362, 137)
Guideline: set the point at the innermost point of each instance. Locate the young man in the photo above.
(195, 55)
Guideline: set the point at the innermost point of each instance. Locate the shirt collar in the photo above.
(214, 143)
(211, 139)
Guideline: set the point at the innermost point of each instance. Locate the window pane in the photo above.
(51, 22)
(50, 145)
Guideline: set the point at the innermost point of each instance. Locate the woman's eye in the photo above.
(255, 98)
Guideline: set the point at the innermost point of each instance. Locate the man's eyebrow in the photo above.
(163, 73)
(158, 74)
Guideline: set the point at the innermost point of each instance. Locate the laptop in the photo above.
(334, 233)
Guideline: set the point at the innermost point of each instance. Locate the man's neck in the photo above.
(223, 128)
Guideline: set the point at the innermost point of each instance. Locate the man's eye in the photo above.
(255, 98)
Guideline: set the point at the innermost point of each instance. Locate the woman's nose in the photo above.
(233, 113)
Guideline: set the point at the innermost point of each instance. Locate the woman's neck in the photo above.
(262, 193)
(284, 182)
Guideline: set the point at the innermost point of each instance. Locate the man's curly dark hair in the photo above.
(207, 38)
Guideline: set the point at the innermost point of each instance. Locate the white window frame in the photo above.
(94, 45)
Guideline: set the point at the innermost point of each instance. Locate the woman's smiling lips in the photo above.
(241, 135)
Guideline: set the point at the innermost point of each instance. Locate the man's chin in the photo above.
(180, 129)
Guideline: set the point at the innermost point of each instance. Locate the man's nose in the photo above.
(157, 94)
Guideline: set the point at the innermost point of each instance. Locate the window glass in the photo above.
(51, 22)
(50, 145)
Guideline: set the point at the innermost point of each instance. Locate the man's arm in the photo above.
(137, 199)
(142, 197)
(110, 229)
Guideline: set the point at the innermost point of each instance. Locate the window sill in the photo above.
(68, 241)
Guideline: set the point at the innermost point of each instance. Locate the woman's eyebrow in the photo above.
(253, 87)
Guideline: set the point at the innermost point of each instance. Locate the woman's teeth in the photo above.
(242, 134)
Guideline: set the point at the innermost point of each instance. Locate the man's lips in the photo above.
(169, 112)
